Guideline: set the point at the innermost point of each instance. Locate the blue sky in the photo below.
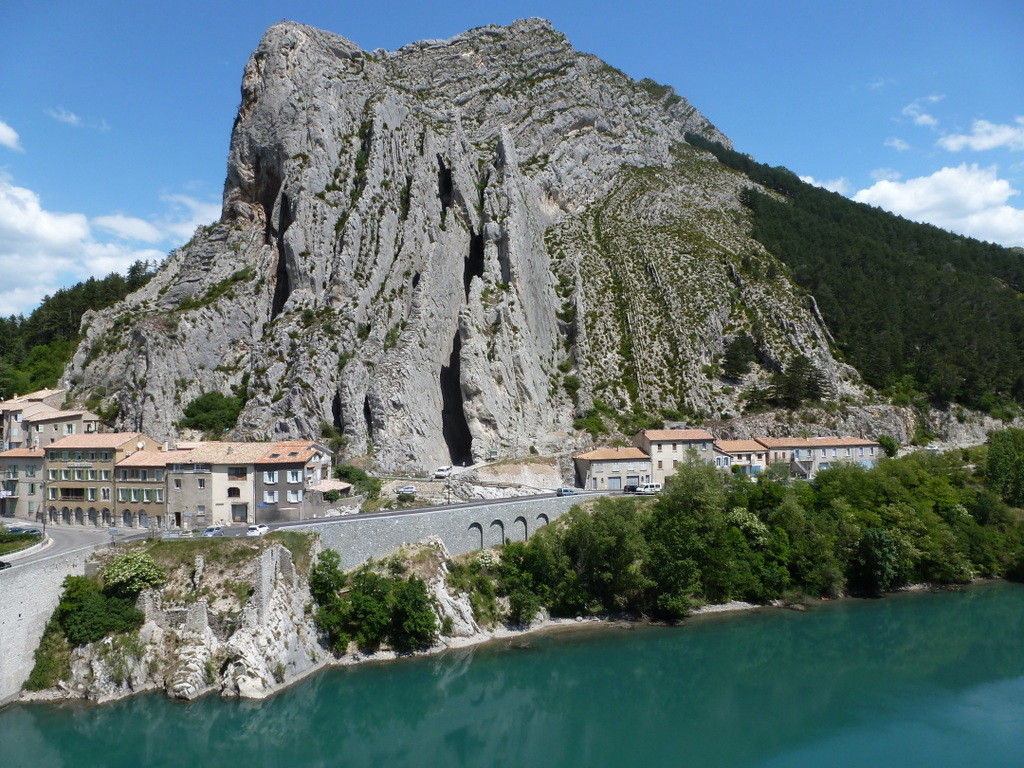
(115, 117)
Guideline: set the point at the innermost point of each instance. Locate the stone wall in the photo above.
(363, 537)
(28, 594)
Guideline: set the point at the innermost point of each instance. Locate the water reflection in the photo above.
(771, 688)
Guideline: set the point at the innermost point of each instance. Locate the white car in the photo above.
(442, 473)
(409, 489)
(257, 530)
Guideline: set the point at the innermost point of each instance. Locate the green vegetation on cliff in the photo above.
(35, 349)
(914, 308)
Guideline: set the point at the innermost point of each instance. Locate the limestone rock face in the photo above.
(451, 250)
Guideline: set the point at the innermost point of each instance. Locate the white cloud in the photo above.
(967, 199)
(187, 213)
(840, 185)
(129, 228)
(64, 116)
(41, 250)
(915, 110)
(9, 137)
(898, 144)
(881, 83)
(886, 174)
(985, 135)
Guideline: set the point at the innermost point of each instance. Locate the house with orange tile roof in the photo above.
(21, 482)
(612, 469)
(45, 427)
(805, 457)
(668, 448)
(284, 475)
(749, 455)
(80, 478)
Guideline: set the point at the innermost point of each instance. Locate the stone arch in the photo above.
(105, 518)
(65, 515)
(476, 536)
(93, 516)
(496, 533)
(53, 514)
(518, 532)
(79, 516)
(542, 519)
(143, 519)
(127, 518)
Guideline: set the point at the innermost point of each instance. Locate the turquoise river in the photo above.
(910, 680)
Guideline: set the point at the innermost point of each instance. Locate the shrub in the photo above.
(130, 573)
(86, 614)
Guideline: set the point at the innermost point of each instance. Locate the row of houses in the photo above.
(129, 479)
(657, 453)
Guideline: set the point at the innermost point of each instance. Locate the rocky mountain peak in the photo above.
(449, 250)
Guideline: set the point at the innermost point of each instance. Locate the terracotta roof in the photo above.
(606, 454)
(814, 442)
(31, 410)
(150, 459)
(739, 446)
(224, 453)
(289, 454)
(23, 453)
(31, 397)
(53, 413)
(331, 485)
(677, 434)
(97, 440)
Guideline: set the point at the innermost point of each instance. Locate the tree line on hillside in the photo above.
(35, 349)
(914, 308)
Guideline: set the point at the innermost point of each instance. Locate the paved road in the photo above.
(67, 538)
(59, 541)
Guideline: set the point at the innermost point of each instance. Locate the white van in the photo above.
(648, 489)
(442, 473)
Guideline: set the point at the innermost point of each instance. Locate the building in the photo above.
(612, 468)
(667, 448)
(805, 457)
(140, 482)
(21, 482)
(80, 477)
(46, 426)
(283, 476)
(14, 410)
(749, 455)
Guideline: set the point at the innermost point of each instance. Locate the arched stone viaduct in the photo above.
(359, 538)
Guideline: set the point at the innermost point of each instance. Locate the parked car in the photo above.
(213, 530)
(566, 491)
(648, 489)
(4, 565)
(257, 530)
(407, 489)
(630, 488)
(442, 473)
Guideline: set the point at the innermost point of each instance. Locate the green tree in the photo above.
(130, 573)
(1005, 466)
(739, 354)
(212, 412)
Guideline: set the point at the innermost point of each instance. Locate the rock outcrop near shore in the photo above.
(452, 249)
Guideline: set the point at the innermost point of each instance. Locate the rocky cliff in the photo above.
(452, 249)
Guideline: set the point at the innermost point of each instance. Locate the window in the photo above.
(270, 497)
(143, 474)
(848, 452)
(159, 495)
(52, 492)
(294, 496)
(177, 483)
(872, 451)
(12, 471)
(147, 495)
(200, 511)
(660, 447)
(90, 494)
(295, 475)
(234, 493)
(135, 494)
(69, 429)
(201, 482)
(158, 475)
(92, 455)
(31, 489)
(659, 465)
(92, 474)
(703, 446)
(30, 469)
(105, 494)
(675, 463)
(79, 474)
(237, 473)
(122, 494)
(105, 456)
(65, 474)
(52, 474)
(104, 474)
(65, 456)
(270, 478)
(52, 456)
(675, 446)
(860, 451)
(824, 452)
(79, 455)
